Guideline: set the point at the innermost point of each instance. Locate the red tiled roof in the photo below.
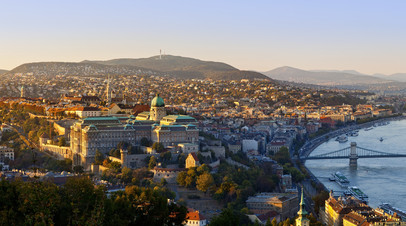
(194, 156)
(195, 216)
(268, 215)
(140, 108)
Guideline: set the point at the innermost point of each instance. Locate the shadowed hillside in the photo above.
(187, 68)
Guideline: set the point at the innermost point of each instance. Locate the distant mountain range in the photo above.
(328, 77)
(174, 66)
(189, 68)
(325, 78)
(401, 77)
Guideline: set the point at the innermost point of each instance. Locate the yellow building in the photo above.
(349, 211)
(336, 209)
(286, 204)
(192, 161)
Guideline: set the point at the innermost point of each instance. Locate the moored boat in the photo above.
(357, 193)
(342, 139)
(354, 134)
(341, 179)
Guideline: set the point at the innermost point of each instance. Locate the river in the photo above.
(383, 179)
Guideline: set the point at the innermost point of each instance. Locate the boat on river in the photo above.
(342, 139)
(354, 133)
(388, 208)
(340, 179)
(357, 193)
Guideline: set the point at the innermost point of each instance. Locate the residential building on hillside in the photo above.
(286, 204)
(194, 218)
(192, 160)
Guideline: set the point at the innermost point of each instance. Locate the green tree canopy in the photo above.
(158, 147)
(204, 182)
(152, 162)
(98, 157)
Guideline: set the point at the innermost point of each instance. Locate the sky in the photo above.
(364, 35)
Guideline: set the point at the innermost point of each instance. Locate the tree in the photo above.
(181, 160)
(86, 201)
(274, 222)
(115, 165)
(204, 182)
(158, 147)
(282, 156)
(268, 223)
(106, 162)
(152, 162)
(202, 169)
(78, 169)
(166, 156)
(126, 174)
(163, 182)
(117, 153)
(229, 217)
(62, 142)
(181, 178)
(98, 158)
(145, 142)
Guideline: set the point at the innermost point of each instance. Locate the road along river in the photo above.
(382, 179)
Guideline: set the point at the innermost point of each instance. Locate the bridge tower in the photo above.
(353, 155)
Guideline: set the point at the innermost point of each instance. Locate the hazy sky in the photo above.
(364, 35)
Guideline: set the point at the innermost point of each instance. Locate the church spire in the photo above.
(302, 210)
(302, 220)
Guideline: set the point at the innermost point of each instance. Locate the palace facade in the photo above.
(105, 133)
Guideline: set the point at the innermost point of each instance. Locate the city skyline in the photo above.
(365, 35)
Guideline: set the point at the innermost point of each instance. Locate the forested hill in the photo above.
(173, 66)
(77, 69)
(187, 68)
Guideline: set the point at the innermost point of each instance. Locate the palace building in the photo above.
(105, 133)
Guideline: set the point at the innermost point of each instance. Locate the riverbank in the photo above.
(312, 144)
(371, 173)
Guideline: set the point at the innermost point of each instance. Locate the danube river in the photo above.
(383, 179)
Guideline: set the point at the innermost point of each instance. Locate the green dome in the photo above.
(157, 102)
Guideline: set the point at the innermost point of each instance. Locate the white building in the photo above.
(194, 218)
(188, 147)
(6, 152)
(249, 145)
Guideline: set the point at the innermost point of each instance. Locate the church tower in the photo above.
(22, 92)
(157, 111)
(302, 220)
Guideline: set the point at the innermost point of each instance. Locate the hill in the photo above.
(400, 77)
(77, 69)
(3, 71)
(325, 78)
(186, 68)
